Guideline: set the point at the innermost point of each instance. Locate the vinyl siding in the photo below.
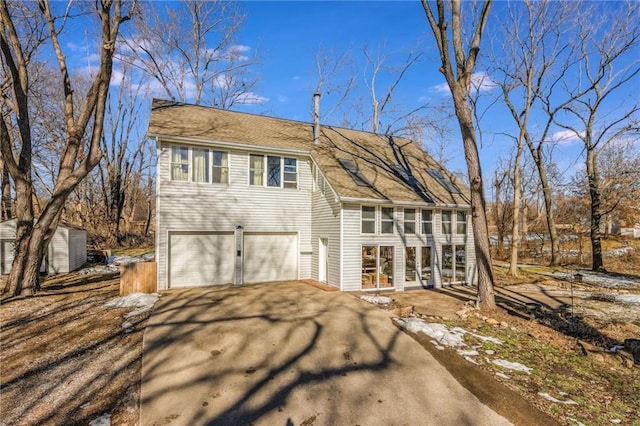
(325, 223)
(184, 206)
(77, 248)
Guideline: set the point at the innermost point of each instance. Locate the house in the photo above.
(67, 249)
(244, 198)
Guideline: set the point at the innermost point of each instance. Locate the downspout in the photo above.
(316, 118)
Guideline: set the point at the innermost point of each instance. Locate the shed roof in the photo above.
(397, 169)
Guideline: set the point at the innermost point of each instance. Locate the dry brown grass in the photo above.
(66, 358)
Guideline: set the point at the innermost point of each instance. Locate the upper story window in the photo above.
(461, 223)
(427, 222)
(386, 220)
(368, 225)
(180, 163)
(446, 222)
(290, 179)
(200, 165)
(220, 172)
(409, 221)
(280, 172)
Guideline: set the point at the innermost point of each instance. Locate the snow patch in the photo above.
(631, 299)
(552, 399)
(503, 376)
(141, 301)
(103, 420)
(443, 335)
(509, 365)
(377, 300)
(468, 352)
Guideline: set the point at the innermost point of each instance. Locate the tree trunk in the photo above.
(515, 230)
(6, 192)
(548, 206)
(594, 193)
(497, 212)
(486, 294)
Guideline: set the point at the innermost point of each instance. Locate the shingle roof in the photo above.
(376, 157)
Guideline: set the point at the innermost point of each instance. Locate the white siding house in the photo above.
(244, 198)
(67, 249)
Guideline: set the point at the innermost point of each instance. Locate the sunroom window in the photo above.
(368, 220)
(446, 222)
(386, 220)
(461, 223)
(409, 221)
(427, 222)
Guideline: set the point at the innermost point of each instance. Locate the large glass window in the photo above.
(409, 221)
(290, 173)
(461, 223)
(368, 220)
(256, 170)
(447, 264)
(220, 172)
(427, 222)
(386, 220)
(446, 222)
(200, 165)
(377, 267)
(179, 163)
(273, 171)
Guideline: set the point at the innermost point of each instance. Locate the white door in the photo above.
(6, 256)
(201, 259)
(323, 259)
(270, 257)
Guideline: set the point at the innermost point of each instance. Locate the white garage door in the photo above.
(270, 257)
(200, 259)
(6, 256)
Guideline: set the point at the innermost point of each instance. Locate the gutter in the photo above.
(235, 145)
(356, 200)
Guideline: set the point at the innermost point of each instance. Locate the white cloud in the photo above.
(251, 98)
(296, 77)
(282, 99)
(566, 136)
(479, 81)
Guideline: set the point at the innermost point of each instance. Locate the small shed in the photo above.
(67, 250)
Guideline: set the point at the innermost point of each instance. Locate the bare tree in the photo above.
(189, 49)
(597, 113)
(459, 82)
(80, 154)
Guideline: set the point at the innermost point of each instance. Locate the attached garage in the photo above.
(67, 249)
(201, 258)
(270, 257)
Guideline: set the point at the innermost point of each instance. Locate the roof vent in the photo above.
(316, 118)
(351, 167)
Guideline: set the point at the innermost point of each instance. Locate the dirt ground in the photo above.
(67, 358)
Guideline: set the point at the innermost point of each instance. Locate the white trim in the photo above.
(236, 145)
(416, 204)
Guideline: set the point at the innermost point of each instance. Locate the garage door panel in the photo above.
(201, 259)
(270, 257)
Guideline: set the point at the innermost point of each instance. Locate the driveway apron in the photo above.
(291, 354)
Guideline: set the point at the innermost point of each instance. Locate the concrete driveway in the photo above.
(291, 354)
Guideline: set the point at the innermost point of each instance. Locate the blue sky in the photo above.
(285, 36)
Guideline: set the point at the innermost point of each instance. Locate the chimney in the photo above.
(316, 118)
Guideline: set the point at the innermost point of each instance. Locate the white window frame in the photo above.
(415, 220)
(424, 222)
(462, 224)
(450, 222)
(384, 220)
(190, 161)
(223, 169)
(281, 179)
(368, 220)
